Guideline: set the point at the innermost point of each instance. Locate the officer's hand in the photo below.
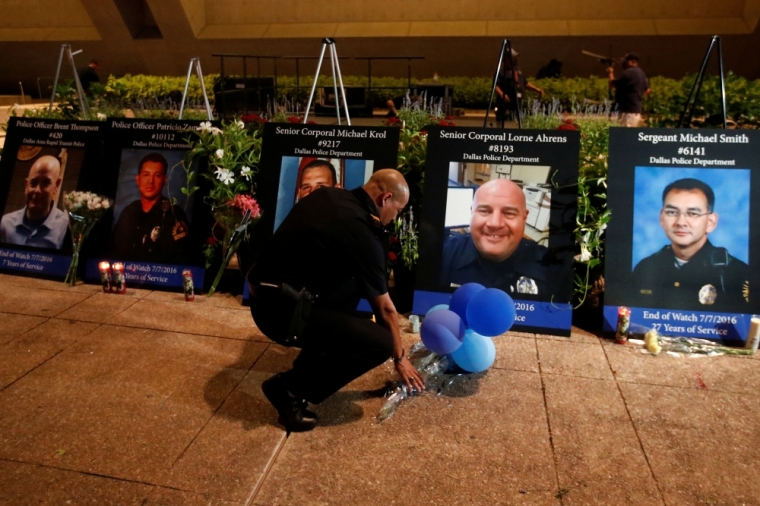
(410, 375)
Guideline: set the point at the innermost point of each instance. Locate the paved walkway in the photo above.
(146, 399)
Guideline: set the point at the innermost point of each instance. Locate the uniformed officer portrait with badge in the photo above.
(150, 228)
(696, 268)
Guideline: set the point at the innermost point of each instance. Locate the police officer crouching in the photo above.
(690, 272)
(329, 252)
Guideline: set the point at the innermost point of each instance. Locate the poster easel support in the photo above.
(197, 63)
(66, 51)
(691, 102)
(506, 46)
(337, 81)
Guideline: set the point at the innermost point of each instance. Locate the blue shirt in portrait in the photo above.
(16, 229)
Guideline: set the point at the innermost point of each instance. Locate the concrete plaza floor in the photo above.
(146, 399)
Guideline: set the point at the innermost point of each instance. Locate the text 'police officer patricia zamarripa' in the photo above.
(329, 252)
(690, 272)
(151, 229)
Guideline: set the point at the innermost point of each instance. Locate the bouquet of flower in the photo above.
(232, 153)
(85, 209)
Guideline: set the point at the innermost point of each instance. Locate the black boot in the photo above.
(293, 413)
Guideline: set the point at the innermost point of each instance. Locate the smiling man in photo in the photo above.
(495, 253)
(39, 223)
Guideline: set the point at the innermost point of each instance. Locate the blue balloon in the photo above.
(436, 308)
(461, 297)
(442, 332)
(476, 354)
(491, 312)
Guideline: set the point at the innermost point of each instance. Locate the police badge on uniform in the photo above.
(707, 295)
(179, 230)
(526, 285)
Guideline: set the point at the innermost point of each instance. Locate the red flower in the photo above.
(211, 240)
(252, 118)
(392, 256)
(293, 119)
(394, 239)
(568, 125)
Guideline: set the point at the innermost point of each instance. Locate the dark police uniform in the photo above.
(332, 244)
(529, 270)
(711, 280)
(160, 235)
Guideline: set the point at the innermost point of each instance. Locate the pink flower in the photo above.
(246, 202)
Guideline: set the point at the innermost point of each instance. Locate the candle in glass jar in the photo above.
(119, 278)
(623, 322)
(105, 276)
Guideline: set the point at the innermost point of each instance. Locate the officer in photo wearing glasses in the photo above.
(690, 272)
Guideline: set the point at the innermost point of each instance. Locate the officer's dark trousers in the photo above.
(336, 348)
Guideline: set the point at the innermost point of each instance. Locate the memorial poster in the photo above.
(42, 160)
(298, 159)
(679, 251)
(499, 209)
(155, 229)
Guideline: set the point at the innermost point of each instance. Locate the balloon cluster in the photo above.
(463, 328)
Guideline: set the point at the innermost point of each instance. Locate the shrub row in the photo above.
(662, 108)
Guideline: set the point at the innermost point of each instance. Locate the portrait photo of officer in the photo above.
(39, 223)
(150, 228)
(302, 176)
(314, 175)
(691, 271)
(496, 252)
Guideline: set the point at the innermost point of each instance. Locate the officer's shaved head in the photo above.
(41, 187)
(389, 191)
(497, 224)
(390, 181)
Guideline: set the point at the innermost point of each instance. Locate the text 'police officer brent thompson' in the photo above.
(691, 273)
(151, 229)
(495, 253)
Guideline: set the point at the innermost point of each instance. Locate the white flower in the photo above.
(106, 203)
(246, 172)
(584, 256)
(239, 123)
(224, 175)
(216, 131)
(101, 115)
(219, 153)
(205, 126)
